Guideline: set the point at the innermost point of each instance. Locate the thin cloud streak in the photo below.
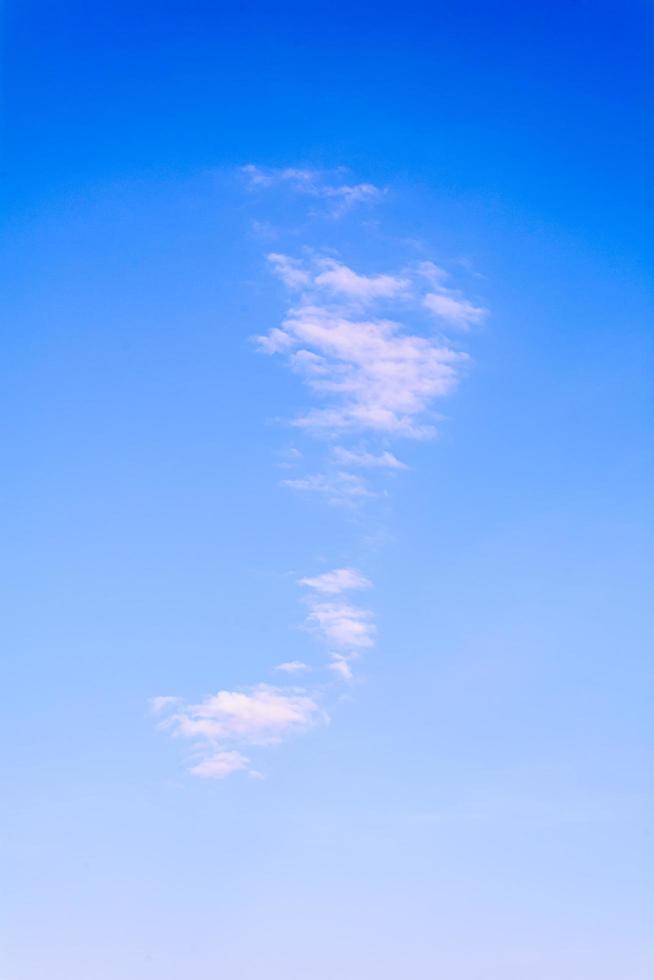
(454, 309)
(313, 183)
(384, 460)
(221, 764)
(341, 488)
(337, 581)
(293, 667)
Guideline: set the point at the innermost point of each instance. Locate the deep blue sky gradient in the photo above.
(481, 808)
(544, 104)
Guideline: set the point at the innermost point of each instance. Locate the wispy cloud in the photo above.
(268, 177)
(262, 716)
(341, 665)
(335, 620)
(340, 279)
(342, 624)
(422, 285)
(290, 271)
(223, 729)
(384, 460)
(293, 667)
(163, 703)
(336, 581)
(364, 343)
(374, 375)
(371, 372)
(313, 183)
(454, 309)
(434, 274)
(340, 488)
(222, 725)
(221, 764)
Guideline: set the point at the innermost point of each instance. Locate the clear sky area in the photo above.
(327, 491)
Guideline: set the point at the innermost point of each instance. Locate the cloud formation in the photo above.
(340, 488)
(374, 376)
(371, 347)
(340, 279)
(341, 665)
(372, 373)
(342, 624)
(454, 309)
(361, 458)
(335, 620)
(290, 271)
(313, 183)
(336, 581)
(222, 725)
(221, 764)
(292, 667)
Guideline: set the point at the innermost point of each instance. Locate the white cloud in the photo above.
(342, 624)
(432, 273)
(351, 194)
(375, 376)
(220, 764)
(338, 580)
(454, 309)
(329, 276)
(339, 488)
(221, 725)
(313, 183)
(336, 622)
(262, 716)
(292, 667)
(341, 665)
(289, 270)
(366, 460)
(288, 459)
(339, 278)
(162, 703)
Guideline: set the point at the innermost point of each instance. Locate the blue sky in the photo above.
(327, 420)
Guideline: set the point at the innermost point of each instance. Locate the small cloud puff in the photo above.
(221, 725)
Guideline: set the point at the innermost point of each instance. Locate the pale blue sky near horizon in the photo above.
(478, 805)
